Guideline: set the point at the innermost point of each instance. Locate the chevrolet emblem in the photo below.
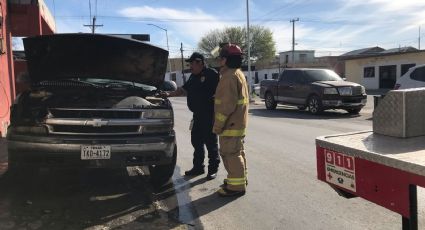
(98, 122)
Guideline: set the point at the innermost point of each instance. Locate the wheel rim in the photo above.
(313, 105)
(269, 101)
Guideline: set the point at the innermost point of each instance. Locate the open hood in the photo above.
(62, 56)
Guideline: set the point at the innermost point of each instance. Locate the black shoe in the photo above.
(194, 172)
(211, 176)
(224, 192)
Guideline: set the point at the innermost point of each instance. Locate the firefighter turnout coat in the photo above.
(231, 113)
(231, 104)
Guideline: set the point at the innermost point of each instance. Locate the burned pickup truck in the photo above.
(92, 104)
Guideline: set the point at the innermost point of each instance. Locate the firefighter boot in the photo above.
(224, 192)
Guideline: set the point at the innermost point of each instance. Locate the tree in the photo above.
(262, 44)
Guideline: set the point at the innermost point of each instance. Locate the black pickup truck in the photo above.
(315, 89)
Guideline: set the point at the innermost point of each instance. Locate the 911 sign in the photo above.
(340, 170)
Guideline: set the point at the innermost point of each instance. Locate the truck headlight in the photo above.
(330, 91)
(158, 114)
(363, 90)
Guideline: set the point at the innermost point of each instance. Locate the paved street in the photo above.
(283, 191)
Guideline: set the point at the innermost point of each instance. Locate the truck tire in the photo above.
(314, 105)
(269, 101)
(354, 111)
(161, 174)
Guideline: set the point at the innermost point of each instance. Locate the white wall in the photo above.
(309, 56)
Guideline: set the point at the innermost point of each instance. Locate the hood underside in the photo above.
(64, 56)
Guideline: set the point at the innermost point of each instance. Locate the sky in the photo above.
(330, 27)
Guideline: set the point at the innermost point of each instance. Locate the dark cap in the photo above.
(196, 56)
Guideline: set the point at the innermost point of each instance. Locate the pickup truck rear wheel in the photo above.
(315, 105)
(161, 174)
(270, 102)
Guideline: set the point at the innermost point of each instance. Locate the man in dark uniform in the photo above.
(200, 90)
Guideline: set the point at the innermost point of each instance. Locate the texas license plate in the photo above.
(95, 152)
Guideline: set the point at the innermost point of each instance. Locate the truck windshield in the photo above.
(322, 75)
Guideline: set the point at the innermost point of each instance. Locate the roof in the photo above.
(381, 54)
(400, 50)
(297, 51)
(364, 51)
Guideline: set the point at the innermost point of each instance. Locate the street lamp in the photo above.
(168, 48)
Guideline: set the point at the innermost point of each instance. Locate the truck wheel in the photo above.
(161, 174)
(315, 105)
(270, 102)
(353, 111)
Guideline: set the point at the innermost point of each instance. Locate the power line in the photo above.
(93, 25)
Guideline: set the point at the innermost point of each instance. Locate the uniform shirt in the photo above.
(200, 91)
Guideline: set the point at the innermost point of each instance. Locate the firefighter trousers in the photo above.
(233, 155)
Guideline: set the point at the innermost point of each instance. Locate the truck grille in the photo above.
(357, 90)
(95, 130)
(64, 121)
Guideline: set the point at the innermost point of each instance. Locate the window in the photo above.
(286, 59)
(322, 75)
(294, 76)
(265, 76)
(418, 74)
(405, 68)
(173, 76)
(369, 72)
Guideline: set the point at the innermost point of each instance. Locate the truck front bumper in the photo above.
(66, 152)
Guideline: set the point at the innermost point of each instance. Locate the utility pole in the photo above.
(181, 51)
(293, 40)
(419, 38)
(248, 38)
(168, 47)
(93, 25)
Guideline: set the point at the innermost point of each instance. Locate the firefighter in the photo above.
(231, 113)
(200, 90)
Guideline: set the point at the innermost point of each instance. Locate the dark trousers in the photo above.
(202, 135)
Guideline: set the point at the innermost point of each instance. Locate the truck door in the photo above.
(301, 89)
(286, 86)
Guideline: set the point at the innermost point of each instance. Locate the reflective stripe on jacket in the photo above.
(231, 104)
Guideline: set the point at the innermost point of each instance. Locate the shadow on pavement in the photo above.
(91, 199)
(188, 211)
(291, 112)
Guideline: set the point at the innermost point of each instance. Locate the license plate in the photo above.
(95, 152)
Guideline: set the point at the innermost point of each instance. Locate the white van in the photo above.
(414, 78)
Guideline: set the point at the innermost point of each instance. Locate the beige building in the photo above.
(381, 70)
